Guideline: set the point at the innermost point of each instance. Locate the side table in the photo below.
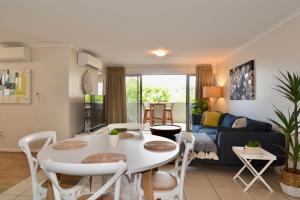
(246, 159)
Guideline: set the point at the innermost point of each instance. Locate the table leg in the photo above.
(257, 175)
(147, 185)
(91, 182)
(239, 172)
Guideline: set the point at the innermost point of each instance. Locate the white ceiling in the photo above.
(123, 31)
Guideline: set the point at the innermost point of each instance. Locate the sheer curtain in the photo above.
(116, 95)
(204, 77)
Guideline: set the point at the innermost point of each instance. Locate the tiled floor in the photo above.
(202, 182)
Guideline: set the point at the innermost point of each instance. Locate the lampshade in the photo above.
(212, 91)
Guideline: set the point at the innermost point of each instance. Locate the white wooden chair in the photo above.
(52, 168)
(39, 189)
(170, 185)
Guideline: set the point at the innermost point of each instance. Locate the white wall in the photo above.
(48, 111)
(76, 95)
(59, 105)
(277, 51)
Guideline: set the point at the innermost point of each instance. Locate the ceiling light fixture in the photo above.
(160, 52)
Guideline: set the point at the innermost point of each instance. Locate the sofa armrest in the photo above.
(269, 141)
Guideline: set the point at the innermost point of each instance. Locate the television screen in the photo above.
(94, 112)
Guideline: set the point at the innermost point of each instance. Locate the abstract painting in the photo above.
(14, 86)
(242, 82)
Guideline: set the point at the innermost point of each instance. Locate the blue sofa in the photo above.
(225, 137)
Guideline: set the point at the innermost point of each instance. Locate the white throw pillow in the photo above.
(240, 123)
(203, 117)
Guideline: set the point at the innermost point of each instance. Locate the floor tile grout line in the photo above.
(225, 187)
(212, 185)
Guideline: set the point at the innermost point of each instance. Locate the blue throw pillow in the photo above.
(228, 120)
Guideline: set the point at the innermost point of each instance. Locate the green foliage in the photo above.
(200, 106)
(155, 95)
(95, 99)
(289, 123)
(114, 132)
(132, 90)
(253, 143)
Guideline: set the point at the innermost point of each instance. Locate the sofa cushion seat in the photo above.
(196, 128)
(208, 131)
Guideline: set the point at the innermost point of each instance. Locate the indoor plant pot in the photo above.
(290, 182)
(288, 125)
(253, 148)
(113, 137)
(196, 118)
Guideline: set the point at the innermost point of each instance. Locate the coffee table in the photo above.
(167, 131)
(246, 159)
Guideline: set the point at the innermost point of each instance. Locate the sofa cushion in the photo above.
(208, 131)
(240, 123)
(212, 119)
(196, 128)
(230, 129)
(258, 125)
(228, 120)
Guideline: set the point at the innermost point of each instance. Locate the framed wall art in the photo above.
(242, 82)
(15, 86)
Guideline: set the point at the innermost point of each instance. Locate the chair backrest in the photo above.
(52, 168)
(170, 105)
(50, 137)
(146, 105)
(158, 111)
(188, 140)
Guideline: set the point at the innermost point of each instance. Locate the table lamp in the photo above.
(212, 93)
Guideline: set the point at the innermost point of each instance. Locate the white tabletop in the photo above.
(138, 158)
(265, 155)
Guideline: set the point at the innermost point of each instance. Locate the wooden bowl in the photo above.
(167, 131)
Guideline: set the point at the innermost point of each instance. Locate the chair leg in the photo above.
(91, 182)
(151, 118)
(171, 117)
(145, 117)
(164, 118)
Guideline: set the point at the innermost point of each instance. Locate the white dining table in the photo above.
(139, 159)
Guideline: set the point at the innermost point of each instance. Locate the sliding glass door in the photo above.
(178, 90)
(133, 94)
(191, 96)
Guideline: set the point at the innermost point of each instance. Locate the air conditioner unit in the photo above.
(13, 54)
(86, 59)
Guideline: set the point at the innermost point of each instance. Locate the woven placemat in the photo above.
(104, 158)
(69, 145)
(160, 146)
(125, 135)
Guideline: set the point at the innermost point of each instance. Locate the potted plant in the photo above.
(113, 137)
(253, 147)
(288, 124)
(199, 106)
